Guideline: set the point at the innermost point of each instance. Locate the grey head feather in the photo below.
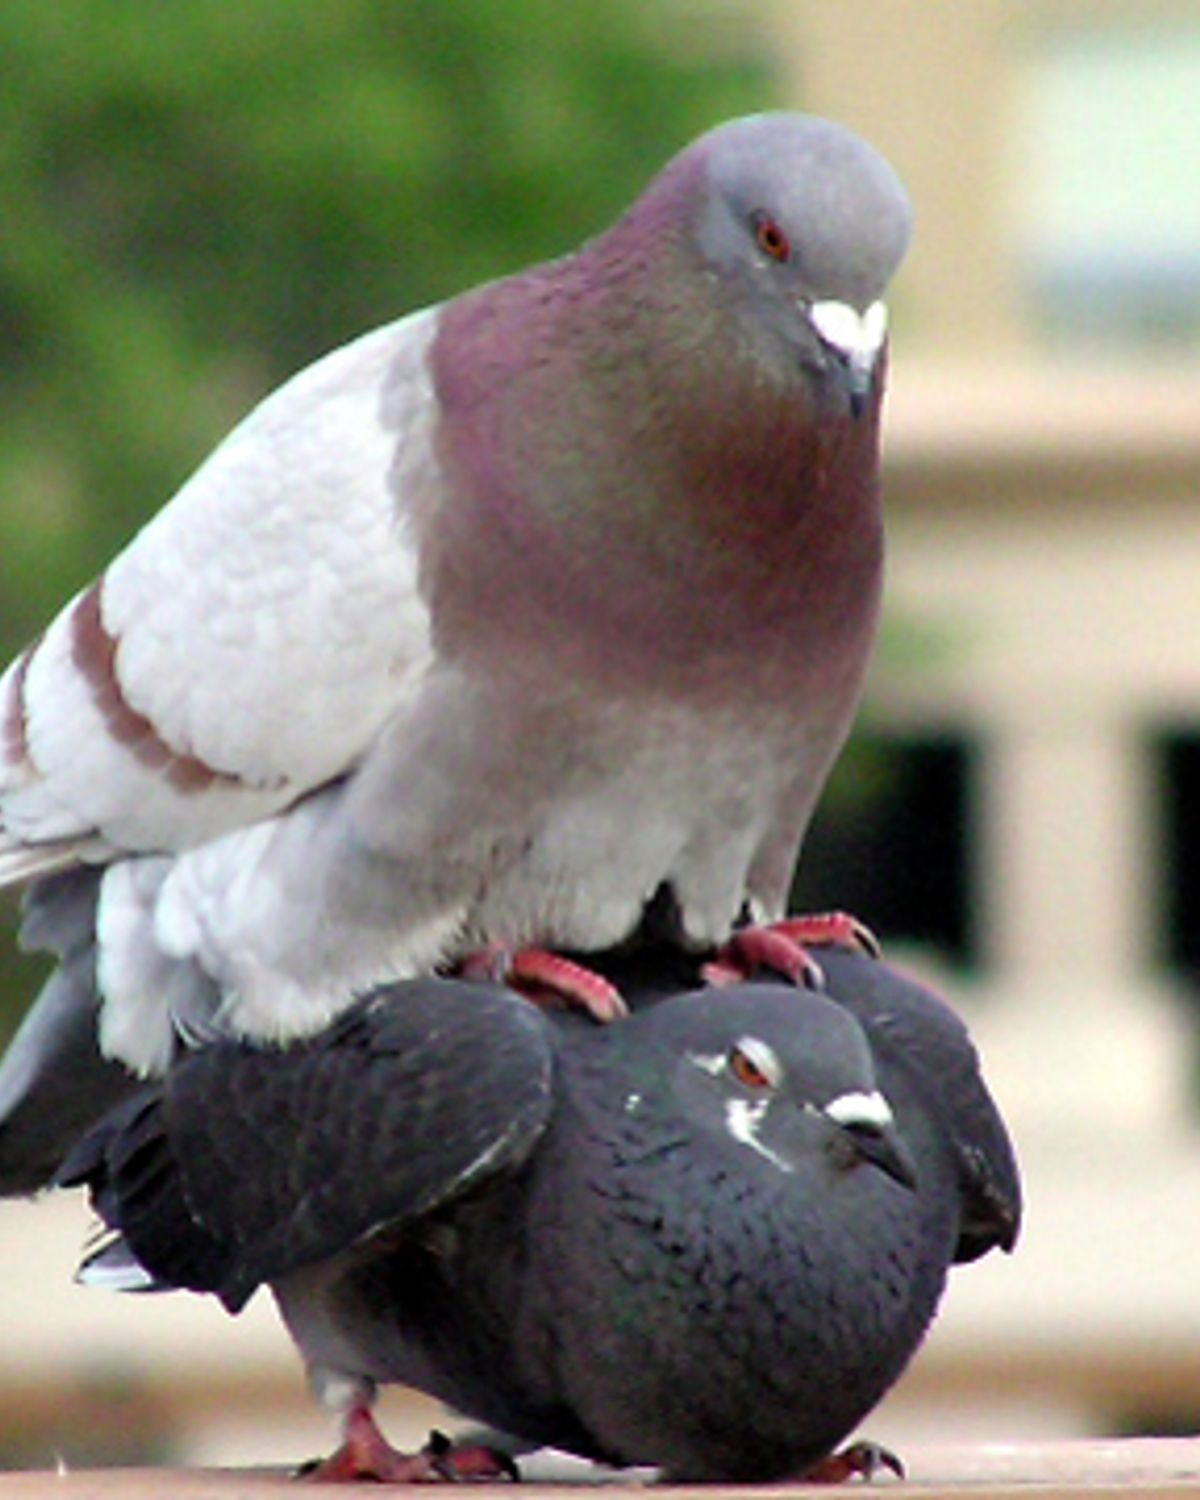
(926, 1063)
(844, 210)
(765, 1070)
(930, 1066)
(836, 221)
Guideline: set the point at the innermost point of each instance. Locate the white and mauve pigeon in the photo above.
(707, 1238)
(483, 629)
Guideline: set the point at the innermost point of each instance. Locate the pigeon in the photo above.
(707, 1238)
(481, 631)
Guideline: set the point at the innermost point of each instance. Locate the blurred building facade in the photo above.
(1043, 495)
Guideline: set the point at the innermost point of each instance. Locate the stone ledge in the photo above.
(1163, 1467)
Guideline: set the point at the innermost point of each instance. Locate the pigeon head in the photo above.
(675, 430)
(805, 224)
(783, 1075)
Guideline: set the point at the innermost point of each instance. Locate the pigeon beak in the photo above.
(868, 1123)
(855, 338)
(883, 1148)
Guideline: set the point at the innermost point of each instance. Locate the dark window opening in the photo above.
(1177, 753)
(893, 842)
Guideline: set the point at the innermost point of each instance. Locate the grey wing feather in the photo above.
(251, 1162)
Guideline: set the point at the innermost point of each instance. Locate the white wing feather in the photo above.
(268, 621)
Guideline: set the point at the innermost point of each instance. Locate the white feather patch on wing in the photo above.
(134, 975)
(268, 620)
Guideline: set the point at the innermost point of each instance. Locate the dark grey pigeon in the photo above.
(707, 1238)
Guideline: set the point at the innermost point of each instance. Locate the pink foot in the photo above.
(863, 1459)
(783, 947)
(366, 1454)
(548, 980)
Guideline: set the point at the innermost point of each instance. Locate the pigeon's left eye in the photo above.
(754, 1067)
(770, 238)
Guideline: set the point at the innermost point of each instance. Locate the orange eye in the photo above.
(770, 239)
(747, 1071)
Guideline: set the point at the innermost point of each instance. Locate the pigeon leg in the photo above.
(366, 1454)
(865, 1459)
(783, 947)
(548, 979)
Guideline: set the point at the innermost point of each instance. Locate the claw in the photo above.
(366, 1454)
(753, 949)
(460, 1465)
(548, 980)
(831, 929)
(864, 1459)
(783, 948)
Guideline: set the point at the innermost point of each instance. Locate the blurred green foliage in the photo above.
(199, 197)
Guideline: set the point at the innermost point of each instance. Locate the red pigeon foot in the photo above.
(548, 979)
(863, 1459)
(366, 1454)
(783, 947)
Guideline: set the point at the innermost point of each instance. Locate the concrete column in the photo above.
(1090, 1054)
(1066, 842)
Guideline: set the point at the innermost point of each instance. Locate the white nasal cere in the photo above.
(858, 335)
(860, 1109)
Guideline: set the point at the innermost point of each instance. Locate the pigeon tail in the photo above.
(20, 863)
(114, 1267)
(54, 1082)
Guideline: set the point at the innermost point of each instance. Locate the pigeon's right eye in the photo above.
(770, 238)
(754, 1065)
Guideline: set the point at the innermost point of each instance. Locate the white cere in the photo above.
(858, 335)
(860, 1109)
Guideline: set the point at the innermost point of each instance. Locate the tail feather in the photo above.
(58, 914)
(113, 1266)
(54, 1083)
(20, 863)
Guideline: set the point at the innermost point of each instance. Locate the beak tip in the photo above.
(861, 385)
(886, 1150)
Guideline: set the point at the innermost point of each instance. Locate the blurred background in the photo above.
(198, 198)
